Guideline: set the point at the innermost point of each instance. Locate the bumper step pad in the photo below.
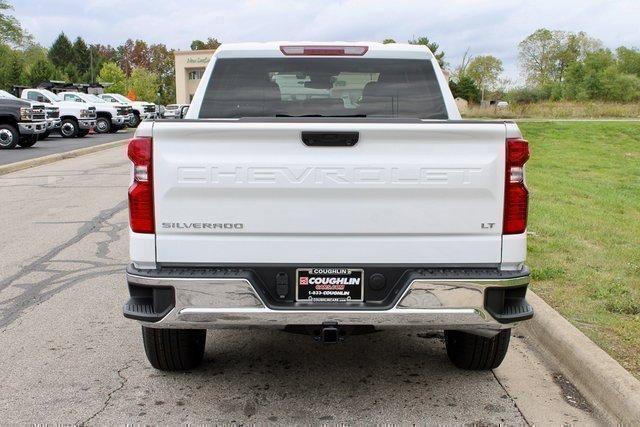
(508, 305)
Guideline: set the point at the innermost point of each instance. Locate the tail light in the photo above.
(141, 218)
(315, 50)
(516, 195)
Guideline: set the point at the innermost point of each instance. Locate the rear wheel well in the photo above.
(104, 114)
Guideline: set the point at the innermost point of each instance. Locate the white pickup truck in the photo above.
(110, 117)
(325, 187)
(76, 120)
(141, 110)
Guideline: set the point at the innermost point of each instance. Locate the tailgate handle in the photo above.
(330, 139)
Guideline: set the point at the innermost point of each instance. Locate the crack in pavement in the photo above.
(123, 381)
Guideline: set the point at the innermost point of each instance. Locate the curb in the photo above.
(602, 380)
(39, 161)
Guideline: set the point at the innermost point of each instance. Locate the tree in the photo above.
(162, 63)
(144, 84)
(113, 74)
(388, 41)
(43, 70)
(99, 55)
(71, 73)
(485, 72)
(82, 59)
(538, 55)
(211, 43)
(10, 30)
(573, 48)
(61, 51)
(595, 65)
(573, 89)
(465, 88)
(433, 47)
(546, 55)
(617, 86)
(134, 54)
(11, 65)
(464, 63)
(628, 60)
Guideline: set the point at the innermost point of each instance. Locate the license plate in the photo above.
(329, 284)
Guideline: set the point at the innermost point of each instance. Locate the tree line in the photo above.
(135, 68)
(563, 65)
(555, 65)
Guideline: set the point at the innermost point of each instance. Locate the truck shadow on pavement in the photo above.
(265, 375)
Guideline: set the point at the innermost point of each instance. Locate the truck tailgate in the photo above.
(250, 192)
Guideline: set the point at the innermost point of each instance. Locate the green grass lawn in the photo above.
(584, 228)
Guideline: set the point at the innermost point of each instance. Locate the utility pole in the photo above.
(91, 64)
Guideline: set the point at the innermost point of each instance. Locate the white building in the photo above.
(190, 65)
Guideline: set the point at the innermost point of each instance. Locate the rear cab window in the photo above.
(323, 87)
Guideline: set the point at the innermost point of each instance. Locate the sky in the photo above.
(483, 26)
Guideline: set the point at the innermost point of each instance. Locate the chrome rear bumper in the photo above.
(209, 303)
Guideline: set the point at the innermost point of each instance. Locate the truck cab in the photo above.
(111, 117)
(76, 120)
(21, 122)
(141, 110)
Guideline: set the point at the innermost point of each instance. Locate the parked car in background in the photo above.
(111, 117)
(176, 111)
(502, 104)
(160, 109)
(20, 122)
(141, 110)
(52, 113)
(76, 120)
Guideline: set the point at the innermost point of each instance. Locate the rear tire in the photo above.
(174, 349)
(83, 132)
(9, 137)
(475, 352)
(45, 135)
(28, 141)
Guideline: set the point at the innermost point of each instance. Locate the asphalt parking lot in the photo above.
(56, 144)
(68, 356)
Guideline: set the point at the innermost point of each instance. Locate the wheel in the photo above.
(103, 125)
(474, 352)
(115, 129)
(44, 135)
(174, 349)
(83, 132)
(9, 137)
(28, 141)
(69, 128)
(135, 121)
